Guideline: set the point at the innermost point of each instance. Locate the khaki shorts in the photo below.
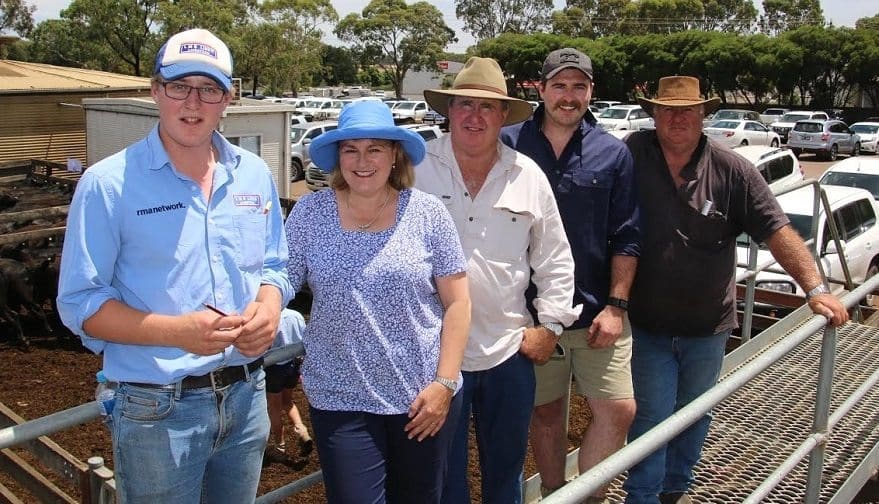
(604, 373)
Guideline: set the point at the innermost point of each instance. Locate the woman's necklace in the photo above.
(364, 227)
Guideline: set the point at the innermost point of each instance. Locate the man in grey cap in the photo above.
(592, 177)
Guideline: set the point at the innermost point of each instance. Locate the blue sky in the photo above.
(840, 12)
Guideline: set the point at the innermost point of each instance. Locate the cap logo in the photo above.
(569, 57)
(198, 48)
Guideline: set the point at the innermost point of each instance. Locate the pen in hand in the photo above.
(215, 310)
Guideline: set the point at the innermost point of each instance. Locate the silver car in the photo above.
(825, 138)
(301, 136)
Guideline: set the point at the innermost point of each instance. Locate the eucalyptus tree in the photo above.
(486, 19)
(784, 15)
(119, 34)
(397, 37)
(16, 16)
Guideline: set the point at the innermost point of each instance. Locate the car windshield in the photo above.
(296, 134)
(794, 117)
(725, 124)
(614, 113)
(727, 114)
(860, 180)
(809, 127)
(864, 128)
(406, 105)
(773, 111)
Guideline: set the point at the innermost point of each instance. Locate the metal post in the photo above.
(98, 475)
(822, 413)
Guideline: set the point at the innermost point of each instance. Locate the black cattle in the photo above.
(17, 292)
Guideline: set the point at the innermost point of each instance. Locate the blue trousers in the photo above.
(189, 446)
(368, 459)
(668, 372)
(501, 400)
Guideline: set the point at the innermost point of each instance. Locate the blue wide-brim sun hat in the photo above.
(360, 120)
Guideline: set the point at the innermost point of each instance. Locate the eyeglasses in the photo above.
(180, 91)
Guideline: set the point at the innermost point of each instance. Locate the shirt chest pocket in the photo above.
(250, 233)
(507, 235)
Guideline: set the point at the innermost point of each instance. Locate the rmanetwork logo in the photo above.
(160, 209)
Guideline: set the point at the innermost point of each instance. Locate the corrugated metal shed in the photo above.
(42, 108)
(22, 77)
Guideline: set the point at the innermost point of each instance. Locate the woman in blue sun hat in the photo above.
(390, 315)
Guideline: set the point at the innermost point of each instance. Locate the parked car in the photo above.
(427, 131)
(787, 121)
(732, 132)
(433, 117)
(301, 135)
(858, 172)
(731, 114)
(409, 111)
(329, 109)
(772, 115)
(869, 134)
(825, 138)
(779, 167)
(603, 104)
(854, 212)
(297, 119)
(624, 117)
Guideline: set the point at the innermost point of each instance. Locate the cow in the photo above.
(17, 292)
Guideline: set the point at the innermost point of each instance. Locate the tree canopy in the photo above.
(397, 37)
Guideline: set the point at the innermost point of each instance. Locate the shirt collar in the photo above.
(229, 158)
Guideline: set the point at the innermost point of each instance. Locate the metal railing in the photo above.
(812, 447)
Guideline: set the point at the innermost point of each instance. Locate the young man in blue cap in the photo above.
(592, 177)
(177, 222)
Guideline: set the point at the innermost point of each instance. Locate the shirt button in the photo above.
(470, 219)
(466, 194)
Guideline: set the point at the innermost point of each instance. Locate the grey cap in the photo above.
(566, 57)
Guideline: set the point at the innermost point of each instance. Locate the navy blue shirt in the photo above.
(594, 185)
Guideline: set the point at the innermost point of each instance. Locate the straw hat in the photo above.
(359, 120)
(480, 78)
(679, 91)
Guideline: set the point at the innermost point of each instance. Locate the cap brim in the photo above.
(438, 99)
(710, 104)
(180, 70)
(324, 150)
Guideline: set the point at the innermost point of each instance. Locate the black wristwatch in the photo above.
(622, 304)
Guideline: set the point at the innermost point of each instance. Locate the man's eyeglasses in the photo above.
(180, 91)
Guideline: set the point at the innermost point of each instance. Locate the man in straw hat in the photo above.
(592, 176)
(696, 197)
(509, 224)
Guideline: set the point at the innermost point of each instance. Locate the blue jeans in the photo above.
(501, 399)
(189, 446)
(369, 459)
(668, 372)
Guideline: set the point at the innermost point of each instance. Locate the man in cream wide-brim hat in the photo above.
(509, 224)
(696, 197)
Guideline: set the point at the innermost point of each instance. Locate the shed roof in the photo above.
(23, 77)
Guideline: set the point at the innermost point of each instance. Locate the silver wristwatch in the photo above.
(555, 327)
(820, 289)
(452, 385)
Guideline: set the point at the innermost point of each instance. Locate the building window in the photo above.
(251, 143)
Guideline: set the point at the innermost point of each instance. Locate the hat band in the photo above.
(480, 88)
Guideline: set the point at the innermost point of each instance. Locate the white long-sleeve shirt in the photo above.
(511, 227)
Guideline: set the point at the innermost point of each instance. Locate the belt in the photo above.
(216, 379)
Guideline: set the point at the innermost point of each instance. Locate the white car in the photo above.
(779, 167)
(732, 132)
(858, 172)
(869, 133)
(624, 117)
(409, 111)
(854, 211)
(787, 121)
(603, 104)
(427, 131)
(301, 136)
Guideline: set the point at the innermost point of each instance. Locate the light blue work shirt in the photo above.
(140, 232)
